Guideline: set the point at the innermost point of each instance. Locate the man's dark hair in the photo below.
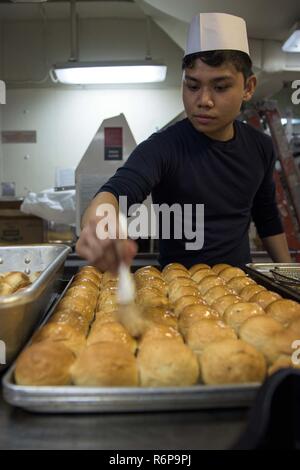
(240, 60)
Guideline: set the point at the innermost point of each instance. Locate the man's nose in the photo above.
(204, 99)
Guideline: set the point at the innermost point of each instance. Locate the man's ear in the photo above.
(250, 88)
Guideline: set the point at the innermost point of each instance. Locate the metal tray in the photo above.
(20, 312)
(262, 273)
(74, 399)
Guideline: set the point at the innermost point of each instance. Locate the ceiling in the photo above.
(266, 19)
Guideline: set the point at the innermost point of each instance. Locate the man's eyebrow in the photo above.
(214, 80)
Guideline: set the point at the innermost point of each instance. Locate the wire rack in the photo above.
(287, 276)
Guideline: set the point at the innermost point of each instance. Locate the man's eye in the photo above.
(221, 88)
(192, 87)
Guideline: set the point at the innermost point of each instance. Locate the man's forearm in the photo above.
(277, 248)
(102, 198)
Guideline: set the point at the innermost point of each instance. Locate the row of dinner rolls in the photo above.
(185, 314)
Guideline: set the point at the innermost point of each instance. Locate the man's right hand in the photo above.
(106, 254)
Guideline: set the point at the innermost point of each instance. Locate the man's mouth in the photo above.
(204, 118)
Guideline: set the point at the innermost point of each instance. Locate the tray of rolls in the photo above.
(27, 277)
(209, 338)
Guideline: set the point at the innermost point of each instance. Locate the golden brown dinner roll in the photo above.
(217, 268)
(160, 332)
(203, 332)
(142, 275)
(61, 333)
(282, 362)
(44, 363)
(184, 301)
(72, 318)
(83, 293)
(294, 326)
(238, 283)
(167, 363)
(112, 332)
(232, 361)
(229, 273)
(209, 282)
(106, 317)
(6, 289)
(160, 316)
(280, 344)
(108, 303)
(250, 290)
(150, 296)
(258, 329)
(107, 277)
(198, 266)
(193, 313)
(222, 303)
(105, 365)
(16, 280)
(108, 293)
(199, 275)
(236, 314)
(147, 271)
(265, 298)
(183, 291)
(284, 310)
(87, 283)
(174, 274)
(156, 282)
(215, 293)
(91, 270)
(175, 285)
(173, 267)
(89, 274)
(79, 305)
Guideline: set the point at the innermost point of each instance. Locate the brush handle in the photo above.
(126, 287)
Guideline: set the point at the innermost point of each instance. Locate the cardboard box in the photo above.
(17, 228)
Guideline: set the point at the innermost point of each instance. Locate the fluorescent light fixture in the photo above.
(294, 121)
(109, 73)
(292, 44)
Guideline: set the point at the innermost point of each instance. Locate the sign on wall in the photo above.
(113, 143)
(18, 137)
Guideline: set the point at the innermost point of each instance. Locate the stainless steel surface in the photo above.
(20, 312)
(264, 274)
(74, 399)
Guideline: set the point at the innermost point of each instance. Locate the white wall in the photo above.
(66, 118)
(66, 122)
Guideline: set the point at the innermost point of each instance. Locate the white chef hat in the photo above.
(217, 31)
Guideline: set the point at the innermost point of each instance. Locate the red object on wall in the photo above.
(113, 143)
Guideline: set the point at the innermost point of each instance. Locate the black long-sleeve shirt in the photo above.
(233, 179)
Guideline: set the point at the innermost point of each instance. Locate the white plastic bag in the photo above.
(54, 206)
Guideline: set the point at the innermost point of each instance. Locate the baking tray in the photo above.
(20, 312)
(262, 273)
(73, 399)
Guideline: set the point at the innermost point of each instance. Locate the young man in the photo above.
(209, 158)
